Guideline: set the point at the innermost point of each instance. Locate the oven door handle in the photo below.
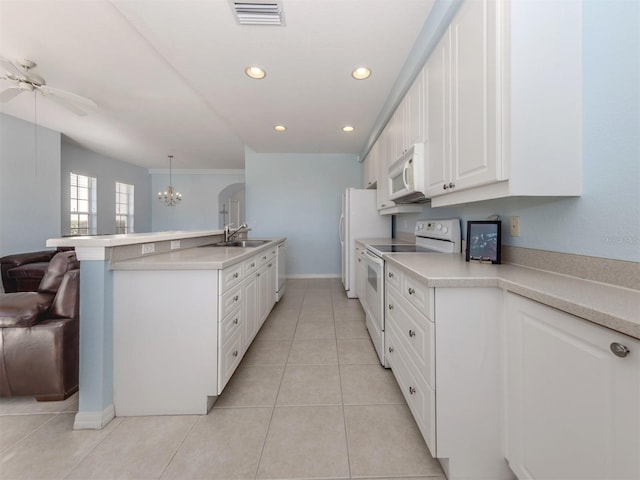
(374, 258)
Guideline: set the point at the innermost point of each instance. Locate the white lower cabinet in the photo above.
(573, 406)
(444, 346)
(179, 335)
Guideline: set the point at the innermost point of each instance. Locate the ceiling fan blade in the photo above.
(75, 103)
(9, 93)
(11, 69)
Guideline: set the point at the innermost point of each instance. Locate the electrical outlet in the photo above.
(175, 244)
(148, 248)
(514, 226)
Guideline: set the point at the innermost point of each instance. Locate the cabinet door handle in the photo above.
(264, 258)
(412, 390)
(619, 350)
(452, 185)
(411, 291)
(253, 264)
(412, 333)
(270, 264)
(257, 274)
(235, 353)
(390, 274)
(390, 349)
(235, 299)
(235, 275)
(445, 186)
(235, 321)
(391, 306)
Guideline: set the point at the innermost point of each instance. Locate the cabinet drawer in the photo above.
(230, 276)
(266, 256)
(250, 266)
(420, 398)
(415, 333)
(229, 359)
(419, 295)
(393, 276)
(231, 323)
(230, 300)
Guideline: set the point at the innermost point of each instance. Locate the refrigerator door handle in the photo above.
(341, 228)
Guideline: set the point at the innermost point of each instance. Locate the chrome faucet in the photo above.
(228, 235)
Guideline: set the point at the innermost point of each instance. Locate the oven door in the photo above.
(374, 293)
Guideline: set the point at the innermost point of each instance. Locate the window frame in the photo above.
(125, 191)
(77, 202)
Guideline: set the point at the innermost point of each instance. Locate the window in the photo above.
(83, 205)
(124, 208)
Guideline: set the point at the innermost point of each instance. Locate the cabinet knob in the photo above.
(452, 185)
(270, 264)
(412, 390)
(235, 353)
(264, 258)
(235, 321)
(383, 205)
(390, 349)
(411, 291)
(619, 350)
(412, 333)
(390, 274)
(445, 186)
(253, 264)
(391, 306)
(235, 275)
(257, 274)
(235, 299)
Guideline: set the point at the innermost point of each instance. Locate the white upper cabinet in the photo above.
(502, 102)
(414, 113)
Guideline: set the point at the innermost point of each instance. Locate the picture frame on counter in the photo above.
(484, 241)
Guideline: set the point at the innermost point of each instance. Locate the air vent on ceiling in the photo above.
(268, 12)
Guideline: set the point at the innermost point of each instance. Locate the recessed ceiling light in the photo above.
(255, 72)
(279, 128)
(348, 128)
(361, 73)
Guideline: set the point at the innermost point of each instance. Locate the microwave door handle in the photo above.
(404, 175)
(341, 229)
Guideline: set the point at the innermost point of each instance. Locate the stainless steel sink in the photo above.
(240, 243)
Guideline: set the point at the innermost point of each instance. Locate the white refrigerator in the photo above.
(359, 219)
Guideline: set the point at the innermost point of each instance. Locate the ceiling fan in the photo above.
(25, 80)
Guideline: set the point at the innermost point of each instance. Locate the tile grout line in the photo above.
(21, 440)
(344, 417)
(193, 425)
(275, 401)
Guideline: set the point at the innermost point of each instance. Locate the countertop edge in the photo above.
(626, 325)
(176, 260)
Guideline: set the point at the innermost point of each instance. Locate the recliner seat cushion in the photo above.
(23, 309)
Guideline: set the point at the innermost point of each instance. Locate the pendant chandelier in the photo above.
(170, 197)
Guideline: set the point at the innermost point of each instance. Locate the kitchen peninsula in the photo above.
(165, 319)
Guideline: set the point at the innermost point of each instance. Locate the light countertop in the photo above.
(611, 306)
(197, 258)
(128, 238)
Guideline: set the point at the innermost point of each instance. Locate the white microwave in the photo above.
(407, 179)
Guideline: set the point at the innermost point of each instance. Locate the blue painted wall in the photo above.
(298, 196)
(199, 209)
(107, 171)
(605, 220)
(29, 186)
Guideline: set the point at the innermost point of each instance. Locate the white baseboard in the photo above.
(313, 275)
(94, 420)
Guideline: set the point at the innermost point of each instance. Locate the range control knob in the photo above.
(420, 226)
(445, 229)
(439, 226)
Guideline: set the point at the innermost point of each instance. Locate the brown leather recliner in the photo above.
(39, 335)
(22, 272)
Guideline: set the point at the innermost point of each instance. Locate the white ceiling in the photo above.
(168, 76)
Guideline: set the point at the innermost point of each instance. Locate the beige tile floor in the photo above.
(309, 400)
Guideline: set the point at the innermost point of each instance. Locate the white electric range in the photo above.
(432, 237)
